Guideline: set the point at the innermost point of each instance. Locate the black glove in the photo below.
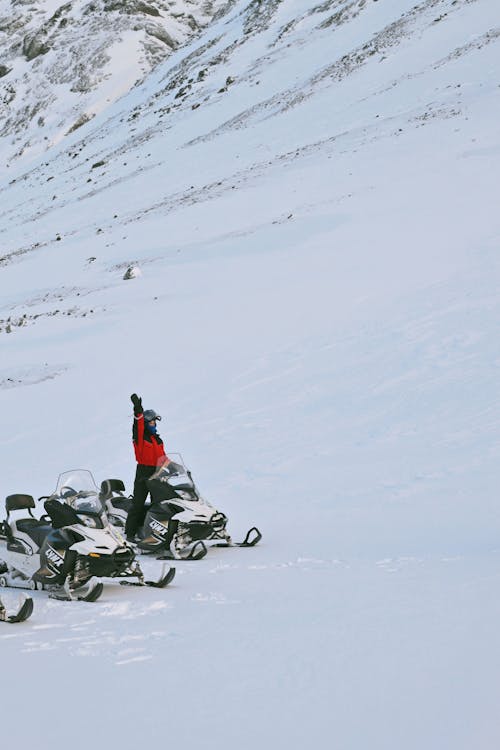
(137, 402)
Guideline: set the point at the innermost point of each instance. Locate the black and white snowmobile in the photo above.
(24, 610)
(179, 522)
(66, 550)
(34, 555)
(77, 490)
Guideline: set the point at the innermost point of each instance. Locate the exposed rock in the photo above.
(33, 46)
(192, 23)
(148, 9)
(78, 124)
(131, 273)
(4, 70)
(159, 33)
(131, 7)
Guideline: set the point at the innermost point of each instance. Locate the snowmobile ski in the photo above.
(23, 613)
(252, 538)
(196, 551)
(94, 593)
(165, 578)
(90, 592)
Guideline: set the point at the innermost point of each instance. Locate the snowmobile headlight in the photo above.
(91, 522)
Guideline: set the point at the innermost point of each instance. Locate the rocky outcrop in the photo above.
(34, 45)
(131, 7)
(158, 32)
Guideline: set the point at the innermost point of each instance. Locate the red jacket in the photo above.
(148, 447)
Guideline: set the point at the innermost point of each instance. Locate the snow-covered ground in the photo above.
(310, 194)
(63, 63)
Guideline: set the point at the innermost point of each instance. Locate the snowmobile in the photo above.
(22, 613)
(34, 555)
(179, 522)
(70, 547)
(78, 490)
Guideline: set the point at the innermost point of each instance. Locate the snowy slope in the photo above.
(309, 193)
(62, 63)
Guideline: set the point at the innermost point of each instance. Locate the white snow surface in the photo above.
(62, 63)
(310, 194)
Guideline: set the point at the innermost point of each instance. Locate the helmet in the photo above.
(150, 414)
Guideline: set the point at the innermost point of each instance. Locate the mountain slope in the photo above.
(309, 195)
(62, 63)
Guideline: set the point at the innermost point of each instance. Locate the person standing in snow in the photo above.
(150, 455)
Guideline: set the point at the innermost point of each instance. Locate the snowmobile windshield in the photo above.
(175, 472)
(172, 479)
(78, 489)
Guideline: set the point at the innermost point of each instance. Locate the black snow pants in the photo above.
(137, 512)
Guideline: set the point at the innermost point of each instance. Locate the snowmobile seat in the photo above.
(108, 486)
(120, 502)
(19, 502)
(35, 529)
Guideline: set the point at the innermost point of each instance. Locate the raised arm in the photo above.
(138, 431)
